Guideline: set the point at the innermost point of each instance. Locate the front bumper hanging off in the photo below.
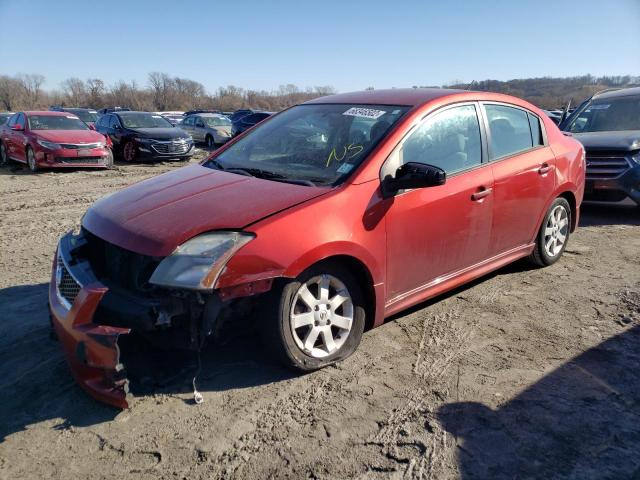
(91, 350)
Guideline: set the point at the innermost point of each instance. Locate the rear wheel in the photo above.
(4, 157)
(31, 160)
(129, 152)
(316, 319)
(553, 235)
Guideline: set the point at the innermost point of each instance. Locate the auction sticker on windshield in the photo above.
(364, 112)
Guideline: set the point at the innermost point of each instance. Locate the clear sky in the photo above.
(347, 44)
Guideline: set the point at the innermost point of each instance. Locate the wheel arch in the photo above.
(363, 277)
(570, 197)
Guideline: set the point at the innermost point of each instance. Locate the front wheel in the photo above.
(553, 235)
(108, 161)
(31, 160)
(211, 143)
(316, 319)
(129, 152)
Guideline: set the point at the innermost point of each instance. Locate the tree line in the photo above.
(163, 92)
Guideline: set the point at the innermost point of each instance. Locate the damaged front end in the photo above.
(100, 291)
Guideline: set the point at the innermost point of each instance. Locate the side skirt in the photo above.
(455, 279)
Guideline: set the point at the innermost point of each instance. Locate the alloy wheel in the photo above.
(556, 230)
(129, 152)
(321, 316)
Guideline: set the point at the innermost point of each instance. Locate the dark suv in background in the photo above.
(87, 115)
(144, 135)
(608, 125)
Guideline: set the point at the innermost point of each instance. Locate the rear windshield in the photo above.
(217, 121)
(318, 144)
(144, 120)
(608, 115)
(51, 122)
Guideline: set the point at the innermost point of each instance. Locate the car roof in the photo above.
(393, 96)
(49, 113)
(623, 92)
(217, 115)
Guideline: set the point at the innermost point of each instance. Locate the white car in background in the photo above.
(175, 117)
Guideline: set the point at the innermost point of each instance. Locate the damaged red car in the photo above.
(325, 219)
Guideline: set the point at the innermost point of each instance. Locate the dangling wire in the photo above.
(197, 396)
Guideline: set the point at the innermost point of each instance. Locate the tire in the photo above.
(211, 143)
(129, 152)
(31, 160)
(4, 156)
(108, 163)
(553, 235)
(316, 322)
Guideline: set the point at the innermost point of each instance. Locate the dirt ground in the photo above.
(525, 373)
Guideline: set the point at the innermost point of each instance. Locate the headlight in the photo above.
(143, 140)
(197, 263)
(49, 145)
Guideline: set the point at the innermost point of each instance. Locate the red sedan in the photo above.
(53, 140)
(325, 218)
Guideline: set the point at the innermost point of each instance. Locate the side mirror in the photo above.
(17, 127)
(414, 175)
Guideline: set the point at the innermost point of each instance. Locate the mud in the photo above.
(525, 373)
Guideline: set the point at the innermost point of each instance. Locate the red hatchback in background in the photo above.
(53, 140)
(325, 219)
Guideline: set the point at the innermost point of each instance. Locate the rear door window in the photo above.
(510, 131)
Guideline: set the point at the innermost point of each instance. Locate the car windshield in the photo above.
(217, 121)
(144, 120)
(607, 115)
(310, 144)
(56, 122)
(86, 115)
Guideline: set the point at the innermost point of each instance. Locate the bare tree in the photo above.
(31, 83)
(163, 88)
(10, 91)
(75, 92)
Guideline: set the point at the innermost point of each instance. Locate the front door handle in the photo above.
(483, 192)
(544, 169)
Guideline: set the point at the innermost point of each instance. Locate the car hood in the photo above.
(626, 141)
(156, 215)
(69, 136)
(160, 133)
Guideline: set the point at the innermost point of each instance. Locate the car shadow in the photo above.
(36, 385)
(582, 420)
(593, 214)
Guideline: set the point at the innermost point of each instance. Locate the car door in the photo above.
(18, 140)
(436, 231)
(199, 130)
(524, 174)
(187, 126)
(115, 131)
(7, 134)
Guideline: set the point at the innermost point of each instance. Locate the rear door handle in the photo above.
(481, 194)
(544, 169)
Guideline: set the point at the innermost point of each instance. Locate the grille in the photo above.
(119, 267)
(68, 288)
(77, 146)
(72, 160)
(174, 147)
(602, 166)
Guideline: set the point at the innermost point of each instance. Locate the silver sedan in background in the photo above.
(210, 128)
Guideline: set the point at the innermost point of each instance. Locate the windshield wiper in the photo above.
(259, 173)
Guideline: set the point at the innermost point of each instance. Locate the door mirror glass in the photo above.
(415, 175)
